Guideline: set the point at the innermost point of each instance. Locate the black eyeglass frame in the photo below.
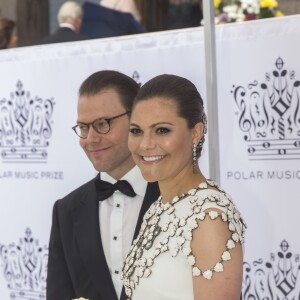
(94, 127)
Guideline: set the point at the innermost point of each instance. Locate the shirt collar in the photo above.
(134, 177)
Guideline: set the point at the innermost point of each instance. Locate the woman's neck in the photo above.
(179, 185)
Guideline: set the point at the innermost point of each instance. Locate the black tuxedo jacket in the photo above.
(76, 265)
(63, 34)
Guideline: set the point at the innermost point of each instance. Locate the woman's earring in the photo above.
(195, 161)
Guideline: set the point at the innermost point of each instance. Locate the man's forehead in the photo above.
(101, 105)
(105, 96)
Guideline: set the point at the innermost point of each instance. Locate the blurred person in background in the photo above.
(8, 33)
(184, 13)
(128, 6)
(100, 21)
(69, 18)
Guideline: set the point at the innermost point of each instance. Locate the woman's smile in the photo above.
(153, 159)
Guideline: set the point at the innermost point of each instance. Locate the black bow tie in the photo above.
(106, 189)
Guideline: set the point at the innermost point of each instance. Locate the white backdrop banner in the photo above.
(259, 115)
(41, 161)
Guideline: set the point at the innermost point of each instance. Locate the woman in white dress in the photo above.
(190, 243)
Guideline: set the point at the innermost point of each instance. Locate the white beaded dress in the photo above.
(160, 264)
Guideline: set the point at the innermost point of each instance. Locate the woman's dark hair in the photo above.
(7, 27)
(124, 85)
(180, 90)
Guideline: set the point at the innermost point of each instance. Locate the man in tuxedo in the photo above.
(69, 18)
(93, 227)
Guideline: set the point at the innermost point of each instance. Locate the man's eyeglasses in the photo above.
(100, 126)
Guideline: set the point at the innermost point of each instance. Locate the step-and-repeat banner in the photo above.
(259, 115)
(258, 92)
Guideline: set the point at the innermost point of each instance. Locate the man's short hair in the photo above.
(126, 87)
(69, 10)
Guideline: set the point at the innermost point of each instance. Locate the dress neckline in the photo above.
(202, 186)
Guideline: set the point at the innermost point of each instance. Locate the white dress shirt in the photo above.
(118, 216)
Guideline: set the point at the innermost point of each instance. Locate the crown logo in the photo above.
(25, 127)
(25, 268)
(269, 115)
(277, 278)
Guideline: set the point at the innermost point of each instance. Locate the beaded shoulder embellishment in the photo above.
(137, 266)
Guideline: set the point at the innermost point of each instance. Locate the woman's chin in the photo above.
(150, 177)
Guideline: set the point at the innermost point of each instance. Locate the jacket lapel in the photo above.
(152, 193)
(87, 230)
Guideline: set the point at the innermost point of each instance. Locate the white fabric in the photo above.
(118, 217)
(170, 271)
(171, 279)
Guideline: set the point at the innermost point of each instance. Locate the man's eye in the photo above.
(163, 130)
(100, 123)
(135, 131)
(83, 127)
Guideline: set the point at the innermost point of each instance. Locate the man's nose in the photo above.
(93, 134)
